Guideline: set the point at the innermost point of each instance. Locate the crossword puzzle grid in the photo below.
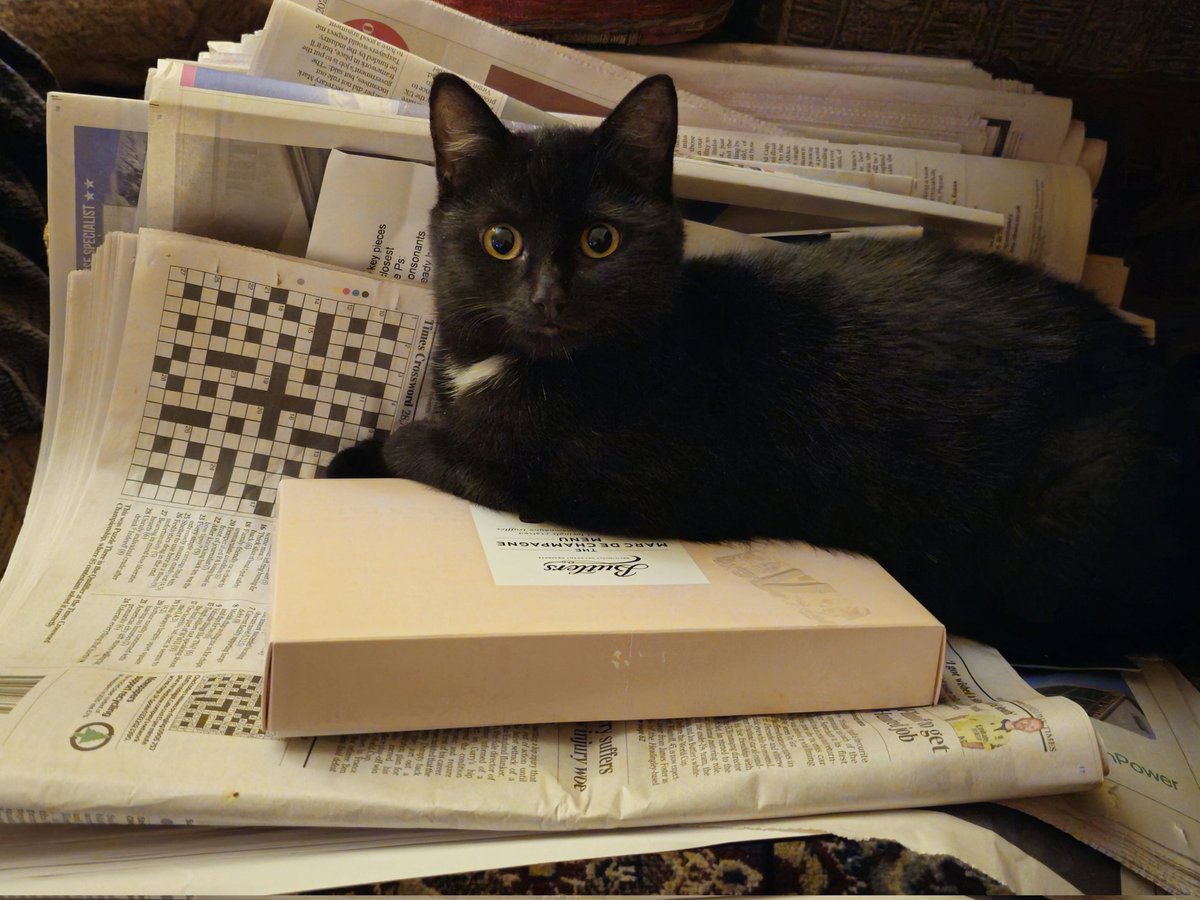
(224, 704)
(252, 382)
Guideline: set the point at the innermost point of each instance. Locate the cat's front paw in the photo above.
(363, 460)
(422, 452)
(412, 451)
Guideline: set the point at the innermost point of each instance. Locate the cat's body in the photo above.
(986, 433)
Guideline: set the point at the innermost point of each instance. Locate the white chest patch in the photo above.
(465, 379)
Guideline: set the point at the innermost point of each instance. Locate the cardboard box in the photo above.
(400, 607)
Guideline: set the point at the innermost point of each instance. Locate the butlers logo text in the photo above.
(619, 568)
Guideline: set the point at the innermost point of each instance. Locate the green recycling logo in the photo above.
(92, 736)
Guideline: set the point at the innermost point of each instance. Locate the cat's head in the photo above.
(551, 240)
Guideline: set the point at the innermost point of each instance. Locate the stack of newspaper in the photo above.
(240, 286)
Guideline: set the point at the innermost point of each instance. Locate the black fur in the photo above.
(990, 435)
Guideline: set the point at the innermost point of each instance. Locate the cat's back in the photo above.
(928, 288)
(917, 377)
(916, 399)
(913, 322)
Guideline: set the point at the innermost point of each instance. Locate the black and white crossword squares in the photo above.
(251, 382)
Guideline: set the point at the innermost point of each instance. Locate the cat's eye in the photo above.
(599, 240)
(502, 241)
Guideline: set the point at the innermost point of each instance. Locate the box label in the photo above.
(537, 553)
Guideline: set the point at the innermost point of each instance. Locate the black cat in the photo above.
(988, 434)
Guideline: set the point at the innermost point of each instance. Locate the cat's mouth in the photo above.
(548, 339)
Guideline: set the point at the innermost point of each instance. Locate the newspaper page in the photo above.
(1072, 146)
(90, 325)
(183, 84)
(361, 227)
(1106, 277)
(232, 55)
(1147, 812)
(96, 149)
(300, 45)
(257, 185)
(213, 79)
(68, 436)
(133, 665)
(906, 67)
(994, 123)
(546, 75)
(216, 150)
(62, 376)
(810, 200)
(1092, 157)
(119, 860)
(1047, 207)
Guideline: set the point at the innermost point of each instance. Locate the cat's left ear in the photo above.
(640, 132)
(465, 132)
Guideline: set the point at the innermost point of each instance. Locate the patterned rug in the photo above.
(818, 865)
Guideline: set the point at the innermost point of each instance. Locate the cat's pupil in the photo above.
(599, 239)
(502, 239)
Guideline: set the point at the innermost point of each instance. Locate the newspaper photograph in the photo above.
(97, 152)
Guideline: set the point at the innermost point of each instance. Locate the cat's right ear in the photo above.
(465, 131)
(640, 133)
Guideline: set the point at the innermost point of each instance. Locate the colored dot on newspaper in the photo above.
(355, 293)
(345, 290)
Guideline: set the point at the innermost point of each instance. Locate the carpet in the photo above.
(817, 865)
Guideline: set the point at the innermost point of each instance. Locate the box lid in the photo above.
(389, 558)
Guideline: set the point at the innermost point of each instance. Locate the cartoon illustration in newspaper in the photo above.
(990, 727)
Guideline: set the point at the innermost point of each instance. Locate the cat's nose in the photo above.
(550, 298)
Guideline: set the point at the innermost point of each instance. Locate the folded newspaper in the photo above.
(132, 616)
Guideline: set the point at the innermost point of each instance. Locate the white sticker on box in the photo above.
(534, 553)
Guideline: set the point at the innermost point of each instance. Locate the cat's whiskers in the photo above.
(630, 328)
(472, 316)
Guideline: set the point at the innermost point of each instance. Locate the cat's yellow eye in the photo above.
(502, 241)
(599, 240)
